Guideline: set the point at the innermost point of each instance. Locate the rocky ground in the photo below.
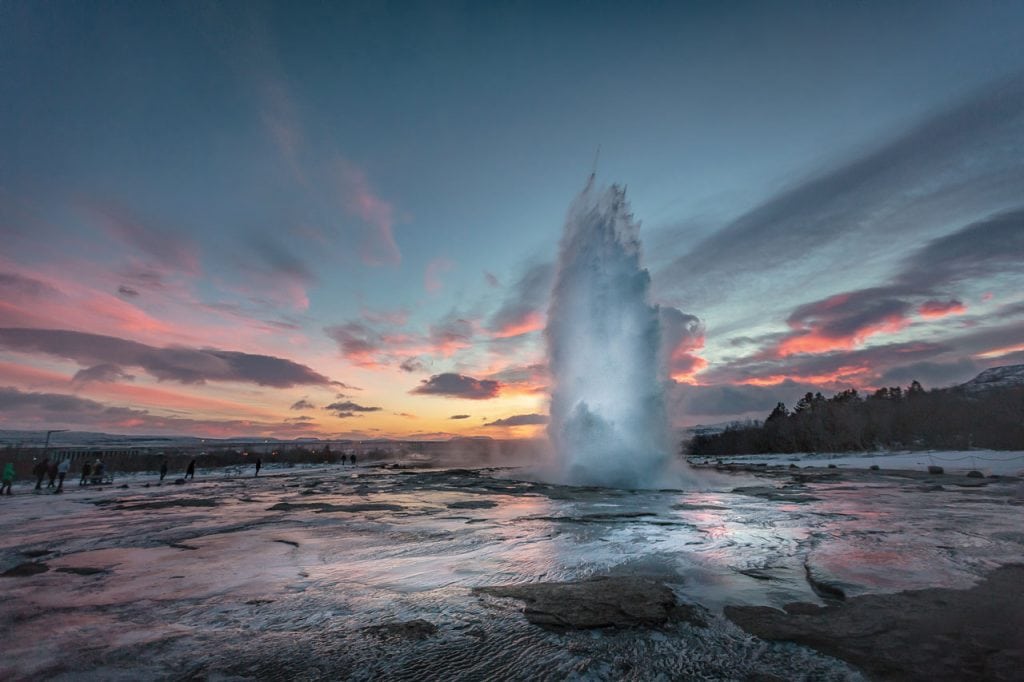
(331, 573)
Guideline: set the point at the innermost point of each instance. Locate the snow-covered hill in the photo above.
(1008, 376)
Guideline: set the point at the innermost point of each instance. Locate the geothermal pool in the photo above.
(331, 573)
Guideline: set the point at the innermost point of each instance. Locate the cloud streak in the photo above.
(893, 190)
(520, 420)
(180, 364)
(378, 246)
(26, 409)
(522, 310)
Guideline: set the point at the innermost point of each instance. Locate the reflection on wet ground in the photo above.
(319, 573)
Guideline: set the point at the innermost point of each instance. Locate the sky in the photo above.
(341, 219)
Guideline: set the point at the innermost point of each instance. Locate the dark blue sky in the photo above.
(359, 187)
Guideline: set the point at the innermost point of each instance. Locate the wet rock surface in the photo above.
(412, 629)
(25, 569)
(931, 634)
(325, 508)
(376, 573)
(600, 602)
(473, 504)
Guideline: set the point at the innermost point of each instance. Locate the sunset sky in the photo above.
(302, 219)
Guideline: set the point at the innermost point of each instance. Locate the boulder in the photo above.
(410, 629)
(599, 602)
(931, 634)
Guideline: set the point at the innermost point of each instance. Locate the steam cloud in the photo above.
(608, 420)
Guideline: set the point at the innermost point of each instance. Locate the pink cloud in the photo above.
(935, 309)
(843, 321)
(530, 321)
(389, 346)
(432, 276)
(161, 248)
(379, 246)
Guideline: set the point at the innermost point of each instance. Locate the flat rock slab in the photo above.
(598, 602)
(410, 629)
(26, 569)
(473, 504)
(325, 508)
(82, 570)
(775, 494)
(932, 634)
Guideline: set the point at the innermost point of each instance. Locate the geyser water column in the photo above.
(608, 422)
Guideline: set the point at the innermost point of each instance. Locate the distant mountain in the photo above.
(995, 378)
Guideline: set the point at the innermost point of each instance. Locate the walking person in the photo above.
(62, 471)
(163, 470)
(191, 471)
(39, 470)
(7, 479)
(352, 458)
(51, 472)
(86, 470)
(259, 464)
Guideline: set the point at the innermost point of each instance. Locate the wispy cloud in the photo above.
(163, 248)
(432, 275)
(522, 311)
(29, 409)
(184, 365)
(378, 246)
(897, 191)
(13, 284)
(520, 420)
(390, 344)
(985, 248)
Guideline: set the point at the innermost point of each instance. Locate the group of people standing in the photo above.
(94, 472)
(54, 470)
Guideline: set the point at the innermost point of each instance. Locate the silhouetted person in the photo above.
(86, 471)
(40, 470)
(51, 473)
(163, 470)
(7, 479)
(191, 471)
(259, 464)
(352, 458)
(97, 471)
(62, 471)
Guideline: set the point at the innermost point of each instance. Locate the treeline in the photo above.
(889, 418)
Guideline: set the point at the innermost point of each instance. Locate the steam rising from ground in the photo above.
(608, 419)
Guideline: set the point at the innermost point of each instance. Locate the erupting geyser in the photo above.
(608, 419)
